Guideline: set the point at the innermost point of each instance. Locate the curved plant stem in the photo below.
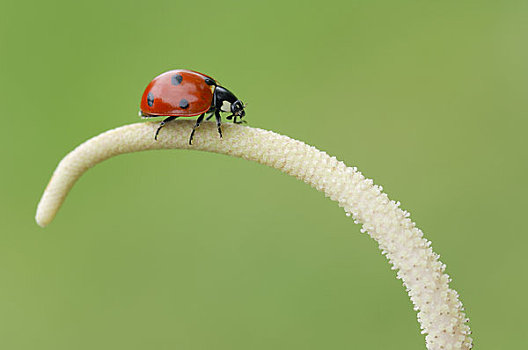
(440, 312)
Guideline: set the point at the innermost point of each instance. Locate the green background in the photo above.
(187, 250)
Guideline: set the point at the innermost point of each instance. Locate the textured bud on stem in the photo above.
(440, 312)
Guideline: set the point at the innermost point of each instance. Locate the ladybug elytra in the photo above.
(186, 93)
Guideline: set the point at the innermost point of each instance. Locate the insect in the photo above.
(185, 93)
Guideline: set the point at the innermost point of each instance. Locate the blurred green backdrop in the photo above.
(186, 250)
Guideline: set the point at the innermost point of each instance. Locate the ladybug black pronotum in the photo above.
(185, 93)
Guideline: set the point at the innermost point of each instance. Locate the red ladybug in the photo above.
(185, 93)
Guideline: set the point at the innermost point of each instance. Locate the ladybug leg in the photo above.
(198, 122)
(162, 124)
(210, 116)
(239, 121)
(218, 122)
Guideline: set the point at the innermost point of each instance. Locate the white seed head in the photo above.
(440, 312)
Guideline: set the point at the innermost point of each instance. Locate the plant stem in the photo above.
(440, 312)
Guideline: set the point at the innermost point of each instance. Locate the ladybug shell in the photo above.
(179, 92)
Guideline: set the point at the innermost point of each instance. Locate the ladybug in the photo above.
(186, 93)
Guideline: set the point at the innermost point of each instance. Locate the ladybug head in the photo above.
(237, 108)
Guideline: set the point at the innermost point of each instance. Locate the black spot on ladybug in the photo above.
(209, 81)
(150, 99)
(176, 79)
(184, 103)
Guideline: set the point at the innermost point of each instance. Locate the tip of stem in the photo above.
(41, 222)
